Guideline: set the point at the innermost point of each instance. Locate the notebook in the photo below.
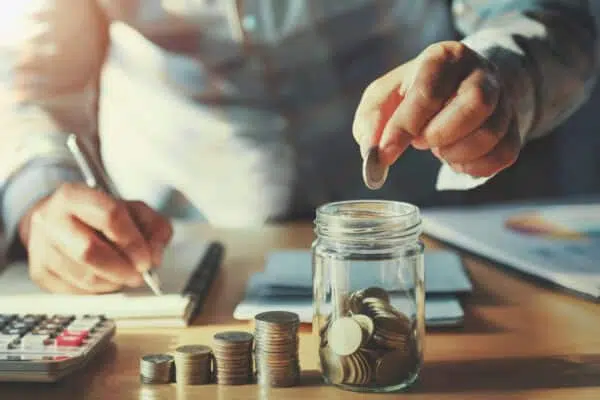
(557, 242)
(187, 271)
(286, 284)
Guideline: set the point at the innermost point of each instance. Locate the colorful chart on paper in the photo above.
(569, 222)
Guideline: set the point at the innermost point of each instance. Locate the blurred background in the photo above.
(565, 163)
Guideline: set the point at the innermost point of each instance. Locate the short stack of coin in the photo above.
(374, 345)
(233, 357)
(193, 364)
(276, 348)
(156, 368)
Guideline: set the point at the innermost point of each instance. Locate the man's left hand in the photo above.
(449, 100)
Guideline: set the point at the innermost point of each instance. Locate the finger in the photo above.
(78, 275)
(502, 156)
(475, 101)
(480, 142)
(401, 140)
(441, 69)
(157, 230)
(48, 281)
(109, 216)
(85, 246)
(385, 92)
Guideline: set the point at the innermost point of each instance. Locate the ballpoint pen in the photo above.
(96, 178)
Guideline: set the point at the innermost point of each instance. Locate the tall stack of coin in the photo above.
(193, 364)
(276, 348)
(233, 357)
(374, 345)
(156, 368)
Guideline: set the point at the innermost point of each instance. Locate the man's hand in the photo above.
(449, 100)
(81, 240)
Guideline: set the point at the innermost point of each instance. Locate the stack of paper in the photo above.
(286, 284)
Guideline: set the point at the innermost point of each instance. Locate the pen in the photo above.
(96, 178)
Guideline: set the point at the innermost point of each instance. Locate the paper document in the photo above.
(286, 284)
(559, 243)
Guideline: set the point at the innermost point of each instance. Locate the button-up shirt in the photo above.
(245, 107)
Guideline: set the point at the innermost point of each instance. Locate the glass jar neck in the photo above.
(368, 223)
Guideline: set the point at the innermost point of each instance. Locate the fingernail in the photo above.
(436, 151)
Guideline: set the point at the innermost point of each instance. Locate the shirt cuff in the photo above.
(35, 181)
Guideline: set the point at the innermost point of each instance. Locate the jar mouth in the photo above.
(368, 219)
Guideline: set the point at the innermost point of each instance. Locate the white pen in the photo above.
(96, 178)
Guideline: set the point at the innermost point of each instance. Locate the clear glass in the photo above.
(369, 294)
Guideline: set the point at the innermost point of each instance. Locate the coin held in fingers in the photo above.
(374, 172)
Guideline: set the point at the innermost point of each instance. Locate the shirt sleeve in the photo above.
(51, 53)
(545, 52)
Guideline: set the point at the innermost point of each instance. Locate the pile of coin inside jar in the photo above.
(230, 360)
(373, 345)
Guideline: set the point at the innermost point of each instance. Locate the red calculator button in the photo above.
(82, 334)
(72, 341)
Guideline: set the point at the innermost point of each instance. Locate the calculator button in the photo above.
(34, 318)
(71, 341)
(42, 332)
(22, 324)
(31, 342)
(81, 333)
(15, 331)
(63, 317)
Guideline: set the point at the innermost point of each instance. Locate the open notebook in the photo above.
(286, 284)
(188, 269)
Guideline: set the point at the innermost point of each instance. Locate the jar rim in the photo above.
(377, 208)
(368, 218)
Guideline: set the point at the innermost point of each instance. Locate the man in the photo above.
(246, 108)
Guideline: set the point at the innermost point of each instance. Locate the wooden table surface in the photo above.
(520, 340)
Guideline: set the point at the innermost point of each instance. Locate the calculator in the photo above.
(46, 348)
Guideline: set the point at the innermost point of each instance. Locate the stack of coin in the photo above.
(156, 368)
(276, 348)
(193, 364)
(233, 357)
(374, 345)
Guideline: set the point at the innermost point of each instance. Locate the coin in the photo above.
(156, 368)
(376, 292)
(366, 324)
(193, 364)
(233, 357)
(375, 344)
(374, 172)
(276, 348)
(391, 369)
(345, 336)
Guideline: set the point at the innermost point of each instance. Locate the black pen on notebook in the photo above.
(96, 178)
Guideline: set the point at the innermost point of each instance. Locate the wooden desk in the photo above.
(520, 341)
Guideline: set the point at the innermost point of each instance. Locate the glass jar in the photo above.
(369, 294)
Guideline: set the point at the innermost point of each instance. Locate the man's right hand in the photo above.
(81, 240)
